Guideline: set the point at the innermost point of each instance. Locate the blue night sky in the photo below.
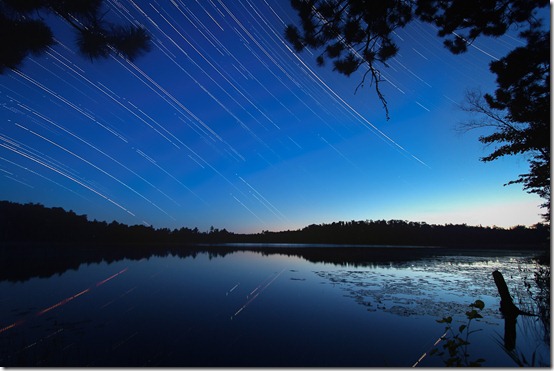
(223, 124)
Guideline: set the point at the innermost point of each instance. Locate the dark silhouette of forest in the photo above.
(36, 241)
(36, 224)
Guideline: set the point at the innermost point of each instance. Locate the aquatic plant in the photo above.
(456, 341)
(538, 289)
(534, 301)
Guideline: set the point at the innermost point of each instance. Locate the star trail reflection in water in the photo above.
(175, 311)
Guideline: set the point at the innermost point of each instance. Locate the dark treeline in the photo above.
(36, 241)
(36, 224)
(399, 232)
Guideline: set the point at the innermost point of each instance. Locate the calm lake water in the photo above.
(245, 308)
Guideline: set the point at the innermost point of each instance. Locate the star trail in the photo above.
(223, 124)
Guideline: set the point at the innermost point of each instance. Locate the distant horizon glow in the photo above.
(222, 124)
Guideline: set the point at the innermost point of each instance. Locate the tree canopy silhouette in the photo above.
(519, 112)
(24, 30)
(356, 33)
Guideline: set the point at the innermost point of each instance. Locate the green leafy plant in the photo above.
(455, 348)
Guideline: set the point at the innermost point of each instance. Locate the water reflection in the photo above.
(45, 261)
(227, 307)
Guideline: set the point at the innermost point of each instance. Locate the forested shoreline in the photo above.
(36, 241)
(36, 224)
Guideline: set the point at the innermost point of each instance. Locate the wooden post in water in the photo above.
(507, 306)
(508, 309)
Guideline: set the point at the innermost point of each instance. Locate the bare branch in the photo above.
(475, 104)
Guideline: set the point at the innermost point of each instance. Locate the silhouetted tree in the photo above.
(514, 136)
(523, 93)
(24, 30)
(356, 33)
(352, 32)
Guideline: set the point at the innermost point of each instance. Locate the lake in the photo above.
(266, 306)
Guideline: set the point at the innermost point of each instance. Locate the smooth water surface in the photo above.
(246, 308)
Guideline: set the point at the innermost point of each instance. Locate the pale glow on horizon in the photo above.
(524, 212)
(504, 215)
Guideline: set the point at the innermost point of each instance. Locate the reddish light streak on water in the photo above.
(64, 301)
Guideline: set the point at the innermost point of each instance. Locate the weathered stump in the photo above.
(507, 306)
(508, 309)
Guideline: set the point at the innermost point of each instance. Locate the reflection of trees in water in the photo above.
(19, 263)
(22, 262)
(366, 274)
(40, 241)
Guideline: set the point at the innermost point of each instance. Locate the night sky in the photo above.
(222, 124)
